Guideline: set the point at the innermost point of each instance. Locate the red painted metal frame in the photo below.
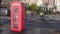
(21, 16)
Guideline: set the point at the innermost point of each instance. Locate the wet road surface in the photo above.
(34, 26)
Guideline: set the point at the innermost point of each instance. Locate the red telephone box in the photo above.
(17, 16)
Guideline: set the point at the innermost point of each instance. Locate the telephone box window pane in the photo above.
(15, 19)
(15, 9)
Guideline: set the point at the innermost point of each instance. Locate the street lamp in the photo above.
(0, 9)
(0, 2)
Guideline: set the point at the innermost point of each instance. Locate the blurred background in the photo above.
(34, 23)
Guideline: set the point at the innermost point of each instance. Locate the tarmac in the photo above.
(34, 25)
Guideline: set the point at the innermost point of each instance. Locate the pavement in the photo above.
(6, 29)
(46, 22)
(35, 25)
(54, 17)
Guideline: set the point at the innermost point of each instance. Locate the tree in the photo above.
(34, 7)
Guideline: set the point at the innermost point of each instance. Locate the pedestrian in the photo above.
(32, 14)
(42, 15)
